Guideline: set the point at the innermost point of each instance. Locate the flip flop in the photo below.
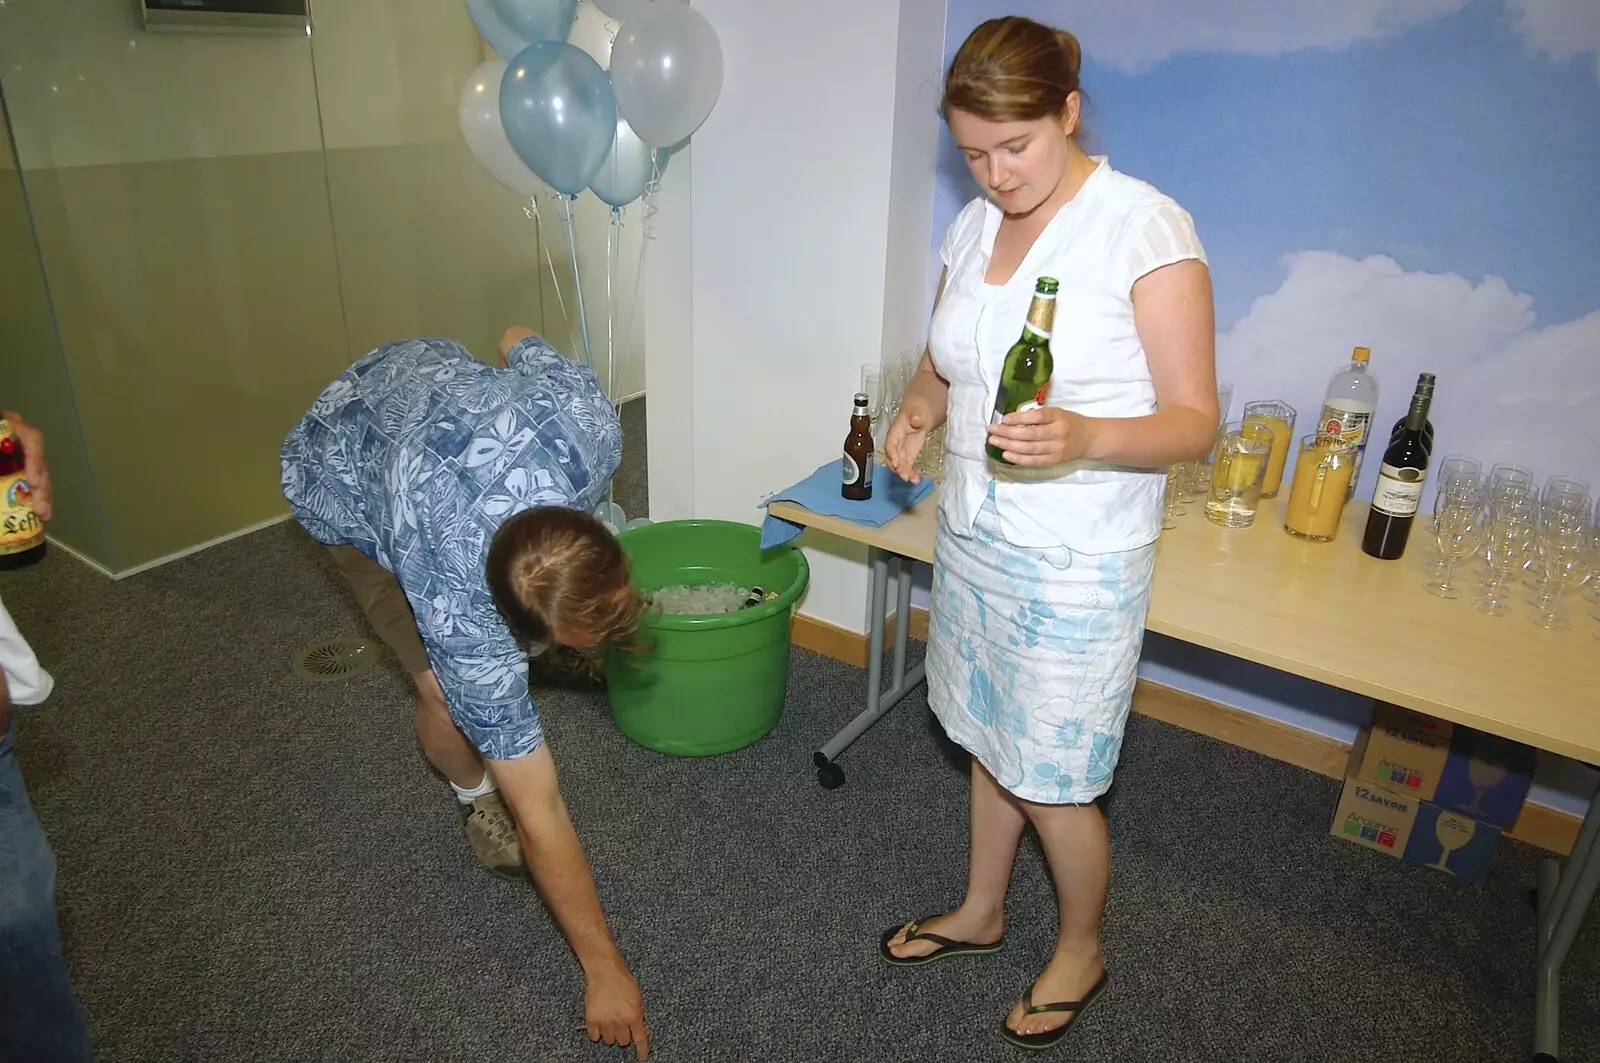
(947, 947)
(1050, 1038)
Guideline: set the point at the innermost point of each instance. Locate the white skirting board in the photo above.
(185, 552)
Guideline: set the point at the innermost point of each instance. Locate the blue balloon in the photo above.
(537, 20)
(559, 113)
(505, 41)
(511, 25)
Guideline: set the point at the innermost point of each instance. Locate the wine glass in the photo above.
(872, 387)
(1566, 501)
(1508, 543)
(1457, 534)
(1457, 474)
(1185, 473)
(1591, 586)
(1562, 552)
(1172, 506)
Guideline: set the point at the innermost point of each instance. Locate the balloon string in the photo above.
(651, 188)
(648, 202)
(532, 212)
(613, 247)
(572, 249)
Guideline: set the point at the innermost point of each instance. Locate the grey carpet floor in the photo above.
(254, 867)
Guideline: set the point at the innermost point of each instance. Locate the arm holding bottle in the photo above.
(1172, 310)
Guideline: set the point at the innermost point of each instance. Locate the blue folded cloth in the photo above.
(819, 492)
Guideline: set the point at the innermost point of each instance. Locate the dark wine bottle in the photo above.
(1400, 479)
(1427, 434)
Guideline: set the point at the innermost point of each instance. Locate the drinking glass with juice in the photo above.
(1279, 420)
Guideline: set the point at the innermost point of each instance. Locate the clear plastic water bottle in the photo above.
(1348, 406)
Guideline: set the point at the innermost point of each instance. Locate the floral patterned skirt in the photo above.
(1032, 657)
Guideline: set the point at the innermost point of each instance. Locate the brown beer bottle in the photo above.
(858, 453)
(21, 531)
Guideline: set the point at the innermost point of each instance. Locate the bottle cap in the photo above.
(1360, 354)
(861, 398)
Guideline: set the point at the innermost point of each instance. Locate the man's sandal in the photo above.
(946, 948)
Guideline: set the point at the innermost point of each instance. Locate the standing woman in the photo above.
(1043, 562)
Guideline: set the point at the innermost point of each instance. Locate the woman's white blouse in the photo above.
(1114, 231)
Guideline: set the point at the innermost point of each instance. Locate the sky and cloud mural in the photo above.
(1421, 177)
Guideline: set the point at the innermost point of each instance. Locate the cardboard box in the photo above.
(1451, 842)
(1457, 768)
(1375, 817)
(1410, 829)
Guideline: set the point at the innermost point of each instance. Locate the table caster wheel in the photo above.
(830, 776)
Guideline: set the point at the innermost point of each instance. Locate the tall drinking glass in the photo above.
(1279, 418)
(1243, 448)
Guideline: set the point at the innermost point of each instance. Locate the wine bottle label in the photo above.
(1399, 491)
(20, 528)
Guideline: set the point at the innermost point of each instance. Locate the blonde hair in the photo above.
(552, 569)
(1013, 69)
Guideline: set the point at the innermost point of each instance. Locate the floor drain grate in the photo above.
(336, 659)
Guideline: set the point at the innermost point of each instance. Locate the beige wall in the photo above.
(33, 377)
(225, 222)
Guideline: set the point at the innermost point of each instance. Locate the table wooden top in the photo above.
(1328, 612)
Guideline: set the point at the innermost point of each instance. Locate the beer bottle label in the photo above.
(20, 528)
(854, 472)
(1034, 403)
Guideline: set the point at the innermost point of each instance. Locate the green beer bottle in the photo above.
(1025, 380)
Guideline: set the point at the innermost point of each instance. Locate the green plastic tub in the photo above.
(709, 684)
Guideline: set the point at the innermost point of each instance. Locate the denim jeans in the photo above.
(40, 1021)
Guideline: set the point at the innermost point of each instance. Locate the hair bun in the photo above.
(1074, 51)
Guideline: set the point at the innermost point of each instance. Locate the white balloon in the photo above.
(625, 8)
(479, 116)
(666, 70)
(628, 168)
(594, 31)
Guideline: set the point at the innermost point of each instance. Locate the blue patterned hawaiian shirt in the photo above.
(414, 456)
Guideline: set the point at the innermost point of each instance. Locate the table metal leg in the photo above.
(879, 701)
(1564, 897)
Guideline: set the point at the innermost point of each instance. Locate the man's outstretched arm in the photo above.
(613, 1007)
